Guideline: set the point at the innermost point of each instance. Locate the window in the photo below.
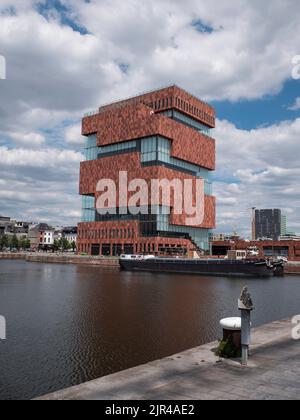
(190, 122)
(155, 150)
(88, 209)
(90, 148)
(117, 148)
(149, 149)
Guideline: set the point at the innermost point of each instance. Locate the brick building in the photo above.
(165, 134)
(285, 248)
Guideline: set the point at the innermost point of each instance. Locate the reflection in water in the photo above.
(70, 324)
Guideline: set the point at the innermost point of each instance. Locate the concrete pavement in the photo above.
(273, 374)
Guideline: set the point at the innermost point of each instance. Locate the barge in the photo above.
(214, 267)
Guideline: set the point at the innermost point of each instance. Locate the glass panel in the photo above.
(176, 115)
(90, 148)
(88, 209)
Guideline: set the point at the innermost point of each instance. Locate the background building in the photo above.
(268, 224)
(165, 134)
(284, 248)
(223, 236)
(41, 236)
(70, 234)
(10, 227)
(4, 221)
(284, 230)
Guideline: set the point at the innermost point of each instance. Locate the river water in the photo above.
(67, 324)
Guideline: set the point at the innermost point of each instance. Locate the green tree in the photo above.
(73, 246)
(56, 244)
(14, 242)
(22, 242)
(65, 244)
(4, 242)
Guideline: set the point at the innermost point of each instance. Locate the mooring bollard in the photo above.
(245, 306)
(232, 330)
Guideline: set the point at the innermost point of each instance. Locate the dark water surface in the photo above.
(68, 324)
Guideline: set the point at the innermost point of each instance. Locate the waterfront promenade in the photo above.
(60, 258)
(273, 374)
(293, 267)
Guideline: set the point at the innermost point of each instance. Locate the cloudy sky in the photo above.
(67, 57)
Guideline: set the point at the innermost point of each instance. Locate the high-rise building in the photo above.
(268, 224)
(165, 134)
(284, 230)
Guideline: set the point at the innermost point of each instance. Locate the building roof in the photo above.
(42, 227)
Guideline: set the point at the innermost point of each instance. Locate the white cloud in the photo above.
(55, 74)
(30, 139)
(156, 39)
(73, 135)
(48, 158)
(40, 185)
(264, 164)
(296, 105)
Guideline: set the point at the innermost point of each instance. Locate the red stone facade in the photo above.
(134, 119)
(290, 248)
(124, 234)
(137, 121)
(91, 172)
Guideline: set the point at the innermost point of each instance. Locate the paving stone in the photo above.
(273, 374)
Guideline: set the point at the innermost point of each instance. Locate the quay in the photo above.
(55, 258)
(273, 373)
(293, 267)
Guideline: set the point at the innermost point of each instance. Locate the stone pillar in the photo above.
(245, 305)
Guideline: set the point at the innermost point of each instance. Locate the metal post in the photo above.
(246, 335)
(245, 306)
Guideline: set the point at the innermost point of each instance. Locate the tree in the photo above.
(64, 244)
(4, 242)
(73, 246)
(67, 244)
(24, 243)
(56, 244)
(14, 242)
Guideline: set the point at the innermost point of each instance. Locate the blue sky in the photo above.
(67, 57)
(266, 111)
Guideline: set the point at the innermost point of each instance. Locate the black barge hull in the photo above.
(203, 267)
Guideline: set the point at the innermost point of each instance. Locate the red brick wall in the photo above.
(138, 118)
(91, 233)
(109, 167)
(135, 122)
(294, 246)
(168, 98)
